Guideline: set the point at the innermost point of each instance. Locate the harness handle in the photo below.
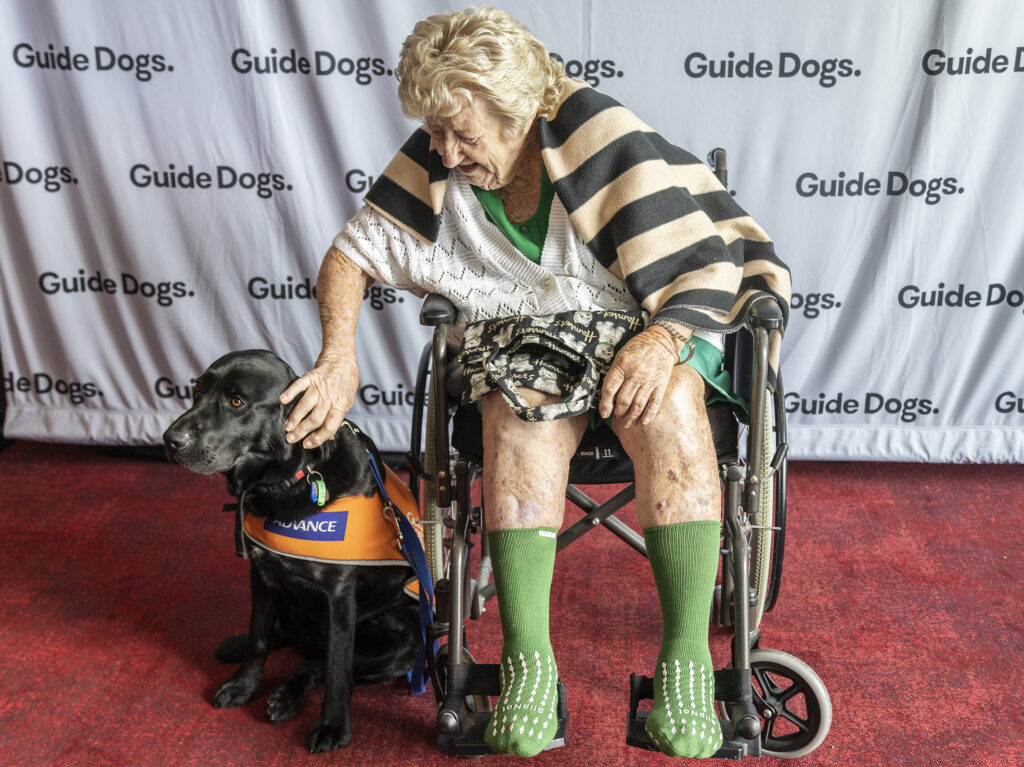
(409, 543)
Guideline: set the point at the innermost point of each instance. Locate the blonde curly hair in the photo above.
(450, 58)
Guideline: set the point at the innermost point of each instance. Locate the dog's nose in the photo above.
(174, 441)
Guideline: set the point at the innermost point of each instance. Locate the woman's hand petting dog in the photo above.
(328, 393)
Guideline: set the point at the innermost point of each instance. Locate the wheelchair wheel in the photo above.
(792, 702)
(761, 536)
(433, 530)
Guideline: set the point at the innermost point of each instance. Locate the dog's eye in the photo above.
(237, 401)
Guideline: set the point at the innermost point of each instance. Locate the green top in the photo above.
(528, 237)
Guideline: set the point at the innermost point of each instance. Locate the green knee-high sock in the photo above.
(524, 719)
(684, 559)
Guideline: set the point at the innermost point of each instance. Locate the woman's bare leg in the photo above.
(526, 466)
(678, 503)
(674, 457)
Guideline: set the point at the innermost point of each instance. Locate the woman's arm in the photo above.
(329, 389)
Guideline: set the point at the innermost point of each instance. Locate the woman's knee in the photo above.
(681, 424)
(526, 465)
(506, 436)
(674, 457)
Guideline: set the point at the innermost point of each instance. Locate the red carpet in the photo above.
(902, 590)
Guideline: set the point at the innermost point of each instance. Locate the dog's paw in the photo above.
(283, 704)
(232, 649)
(235, 692)
(324, 737)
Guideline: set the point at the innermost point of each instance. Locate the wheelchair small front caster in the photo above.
(794, 706)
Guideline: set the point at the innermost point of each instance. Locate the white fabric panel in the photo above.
(887, 181)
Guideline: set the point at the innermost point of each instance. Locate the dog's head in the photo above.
(236, 422)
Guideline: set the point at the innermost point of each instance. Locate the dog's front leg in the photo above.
(242, 685)
(334, 727)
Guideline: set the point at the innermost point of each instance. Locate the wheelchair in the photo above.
(768, 702)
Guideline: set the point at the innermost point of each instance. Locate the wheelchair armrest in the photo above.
(437, 310)
(765, 313)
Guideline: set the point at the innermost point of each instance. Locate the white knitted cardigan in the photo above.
(476, 267)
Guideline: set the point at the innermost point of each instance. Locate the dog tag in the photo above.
(318, 492)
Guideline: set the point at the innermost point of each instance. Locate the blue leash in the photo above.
(409, 542)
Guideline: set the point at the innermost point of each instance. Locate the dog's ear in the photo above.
(286, 453)
(292, 454)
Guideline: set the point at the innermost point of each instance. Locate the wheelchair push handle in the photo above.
(437, 310)
(765, 313)
(717, 161)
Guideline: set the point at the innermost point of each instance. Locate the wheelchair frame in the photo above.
(753, 540)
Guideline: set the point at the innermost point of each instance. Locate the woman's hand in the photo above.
(328, 393)
(329, 389)
(635, 384)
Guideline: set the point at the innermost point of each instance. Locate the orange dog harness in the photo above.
(351, 530)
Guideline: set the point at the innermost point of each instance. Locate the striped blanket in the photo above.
(650, 212)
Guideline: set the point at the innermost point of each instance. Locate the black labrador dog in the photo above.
(352, 623)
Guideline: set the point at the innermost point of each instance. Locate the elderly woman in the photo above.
(528, 193)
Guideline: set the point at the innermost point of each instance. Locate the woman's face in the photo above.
(473, 142)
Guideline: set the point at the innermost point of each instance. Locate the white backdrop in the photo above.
(172, 173)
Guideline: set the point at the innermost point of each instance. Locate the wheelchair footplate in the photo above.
(460, 729)
(734, 745)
